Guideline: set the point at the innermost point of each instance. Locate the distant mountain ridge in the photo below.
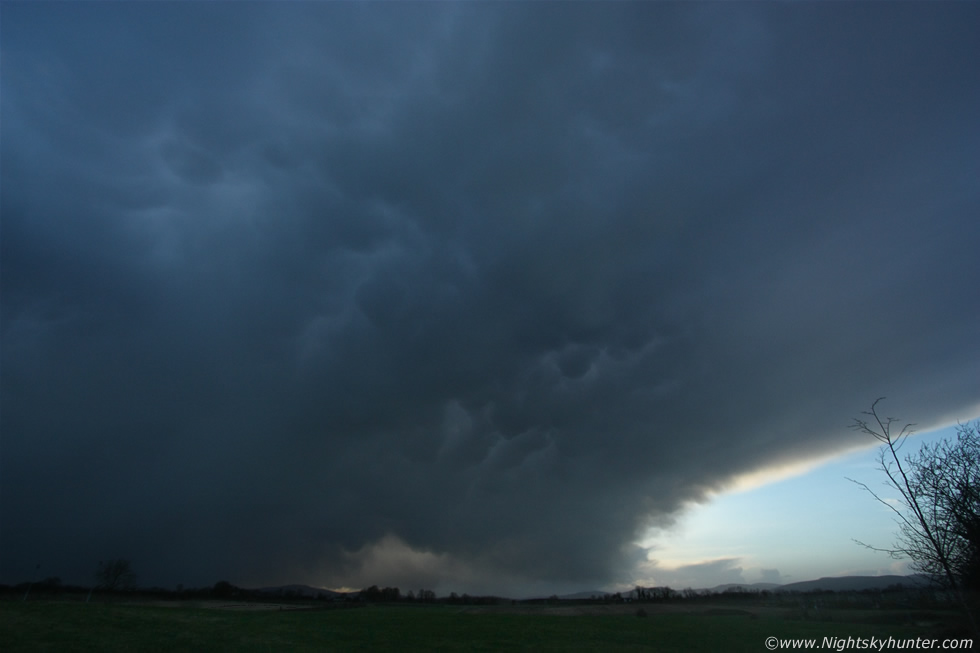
(749, 586)
(855, 583)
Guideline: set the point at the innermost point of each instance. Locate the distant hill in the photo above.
(854, 583)
(835, 584)
(746, 586)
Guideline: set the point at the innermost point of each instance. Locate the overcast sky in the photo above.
(465, 297)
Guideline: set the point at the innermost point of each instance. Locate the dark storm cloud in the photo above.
(462, 295)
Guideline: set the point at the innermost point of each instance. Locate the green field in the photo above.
(75, 626)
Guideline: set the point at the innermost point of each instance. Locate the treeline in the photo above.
(897, 595)
(54, 588)
(374, 594)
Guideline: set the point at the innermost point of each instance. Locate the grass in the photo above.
(73, 626)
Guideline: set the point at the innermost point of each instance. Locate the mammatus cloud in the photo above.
(436, 294)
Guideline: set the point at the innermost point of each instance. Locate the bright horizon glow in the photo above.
(783, 524)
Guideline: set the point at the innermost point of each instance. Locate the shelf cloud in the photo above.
(464, 296)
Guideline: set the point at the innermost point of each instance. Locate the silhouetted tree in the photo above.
(115, 575)
(939, 513)
(390, 594)
(946, 476)
(372, 594)
(51, 583)
(223, 590)
(659, 593)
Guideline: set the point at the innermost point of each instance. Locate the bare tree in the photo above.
(938, 512)
(946, 478)
(115, 575)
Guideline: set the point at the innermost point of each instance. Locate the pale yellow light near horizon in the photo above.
(775, 473)
(783, 471)
(761, 477)
(715, 528)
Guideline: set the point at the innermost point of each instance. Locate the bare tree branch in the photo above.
(939, 486)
